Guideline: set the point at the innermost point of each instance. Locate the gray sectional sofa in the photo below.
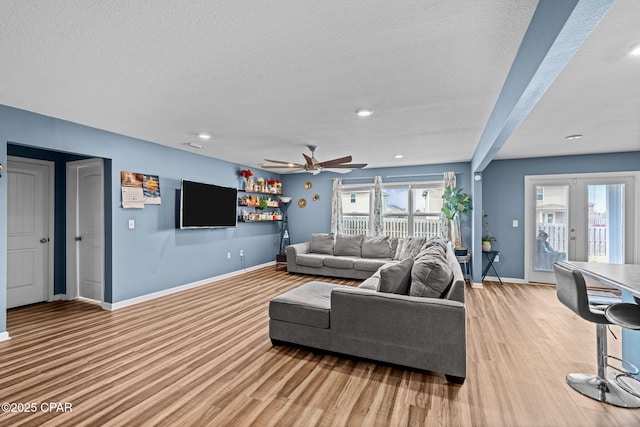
(411, 312)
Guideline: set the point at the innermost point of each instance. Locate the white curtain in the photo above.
(375, 220)
(336, 207)
(449, 228)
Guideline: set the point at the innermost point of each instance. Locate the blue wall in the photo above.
(503, 196)
(316, 216)
(155, 255)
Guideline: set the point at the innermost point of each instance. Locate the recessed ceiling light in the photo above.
(204, 136)
(399, 156)
(570, 137)
(195, 145)
(364, 112)
(635, 51)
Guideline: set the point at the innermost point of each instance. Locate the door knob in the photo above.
(44, 240)
(79, 238)
(573, 237)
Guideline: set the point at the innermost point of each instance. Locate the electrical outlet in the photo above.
(241, 252)
(497, 258)
(228, 255)
(515, 223)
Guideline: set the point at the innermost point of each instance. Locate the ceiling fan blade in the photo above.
(279, 161)
(335, 170)
(328, 163)
(309, 161)
(287, 166)
(350, 166)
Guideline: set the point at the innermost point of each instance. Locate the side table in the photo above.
(465, 265)
(491, 257)
(281, 259)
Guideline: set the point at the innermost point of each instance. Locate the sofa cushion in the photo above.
(409, 246)
(376, 247)
(308, 304)
(369, 264)
(348, 246)
(338, 262)
(431, 275)
(395, 278)
(371, 283)
(311, 260)
(321, 243)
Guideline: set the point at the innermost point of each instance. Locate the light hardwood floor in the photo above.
(203, 357)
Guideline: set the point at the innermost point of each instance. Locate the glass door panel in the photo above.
(552, 225)
(605, 223)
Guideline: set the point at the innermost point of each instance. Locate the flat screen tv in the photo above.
(207, 205)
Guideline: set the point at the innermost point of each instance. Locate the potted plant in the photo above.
(455, 202)
(487, 238)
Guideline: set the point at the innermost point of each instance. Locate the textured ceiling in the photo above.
(267, 78)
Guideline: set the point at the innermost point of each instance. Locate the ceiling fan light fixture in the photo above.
(364, 112)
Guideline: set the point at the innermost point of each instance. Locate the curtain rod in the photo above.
(398, 176)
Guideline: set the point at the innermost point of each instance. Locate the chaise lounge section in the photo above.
(412, 314)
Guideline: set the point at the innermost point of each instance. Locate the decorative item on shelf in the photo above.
(247, 174)
(263, 203)
(260, 185)
(1, 169)
(271, 186)
(278, 186)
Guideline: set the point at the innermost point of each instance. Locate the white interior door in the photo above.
(85, 229)
(588, 217)
(28, 224)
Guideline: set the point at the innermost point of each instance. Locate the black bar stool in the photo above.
(572, 292)
(626, 315)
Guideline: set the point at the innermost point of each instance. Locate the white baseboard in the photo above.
(4, 336)
(154, 295)
(506, 279)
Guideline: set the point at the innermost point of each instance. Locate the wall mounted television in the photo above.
(207, 205)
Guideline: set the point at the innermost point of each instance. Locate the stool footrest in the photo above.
(603, 390)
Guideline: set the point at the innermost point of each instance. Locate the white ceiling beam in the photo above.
(558, 28)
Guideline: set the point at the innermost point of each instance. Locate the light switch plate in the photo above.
(515, 223)
(132, 224)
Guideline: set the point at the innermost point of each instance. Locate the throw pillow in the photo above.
(395, 278)
(348, 246)
(411, 247)
(321, 243)
(376, 247)
(430, 276)
(435, 241)
(399, 248)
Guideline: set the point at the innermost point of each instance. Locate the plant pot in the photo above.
(486, 246)
(460, 251)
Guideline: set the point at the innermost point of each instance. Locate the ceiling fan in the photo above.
(312, 165)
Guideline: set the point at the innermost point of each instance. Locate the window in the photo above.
(539, 193)
(408, 209)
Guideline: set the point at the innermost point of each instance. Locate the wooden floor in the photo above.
(203, 357)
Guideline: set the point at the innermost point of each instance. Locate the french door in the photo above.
(586, 217)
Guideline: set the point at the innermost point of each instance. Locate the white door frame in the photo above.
(73, 285)
(529, 210)
(51, 208)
